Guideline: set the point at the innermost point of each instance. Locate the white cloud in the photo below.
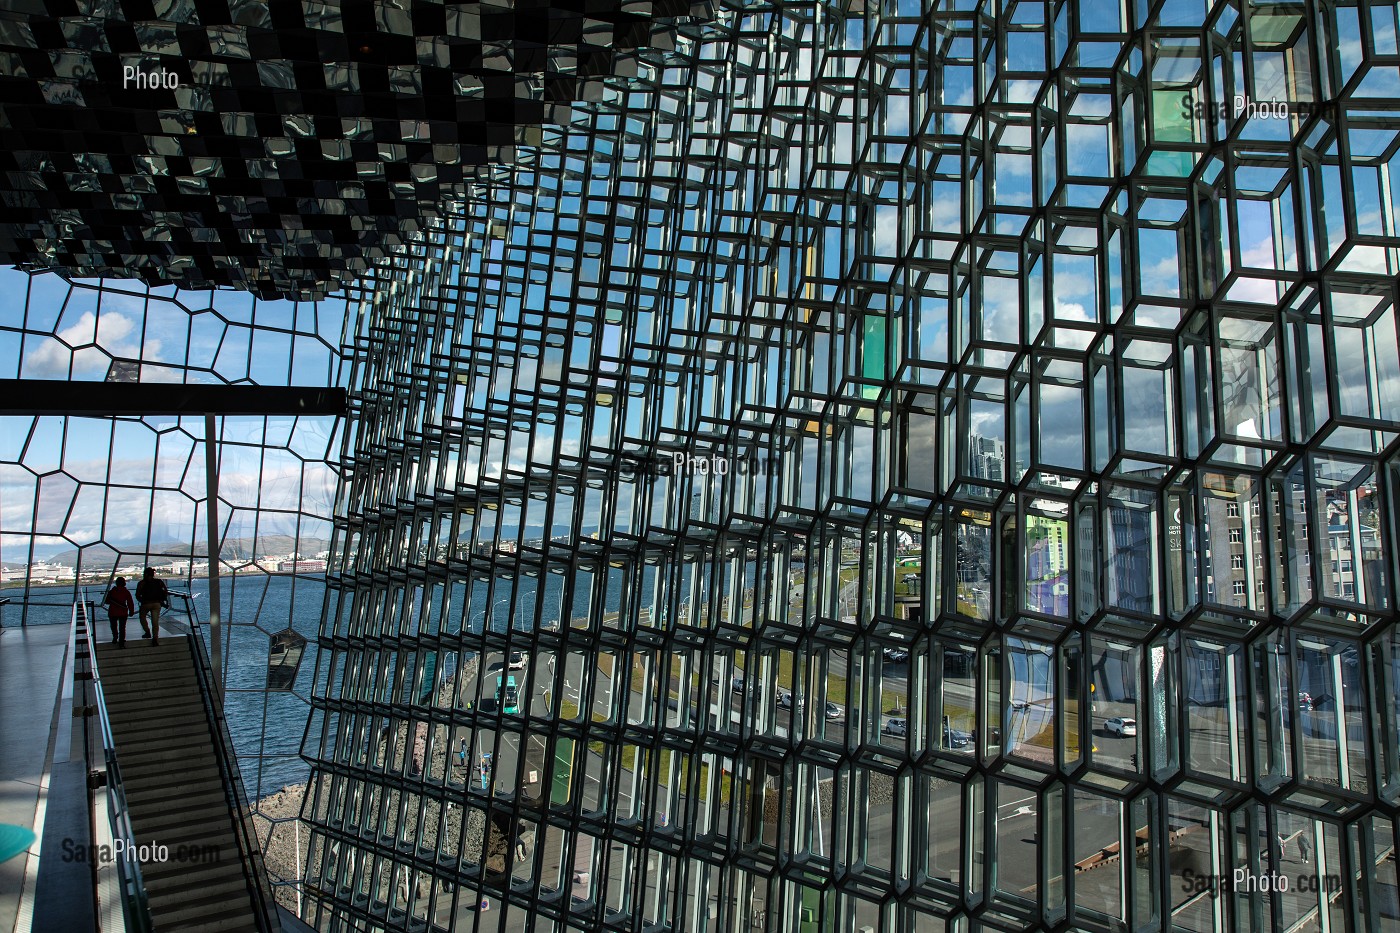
(1163, 278)
(1023, 91)
(1072, 311)
(983, 423)
(87, 347)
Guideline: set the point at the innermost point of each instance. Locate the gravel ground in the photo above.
(274, 820)
(275, 817)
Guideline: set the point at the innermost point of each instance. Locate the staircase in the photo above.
(173, 787)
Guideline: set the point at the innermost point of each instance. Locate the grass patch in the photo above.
(569, 710)
(835, 683)
(726, 783)
(661, 766)
(1045, 738)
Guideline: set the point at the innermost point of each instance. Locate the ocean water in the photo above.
(266, 726)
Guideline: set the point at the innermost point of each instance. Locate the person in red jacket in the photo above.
(119, 608)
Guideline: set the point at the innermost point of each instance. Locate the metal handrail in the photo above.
(136, 908)
(254, 871)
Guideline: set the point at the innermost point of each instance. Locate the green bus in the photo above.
(507, 695)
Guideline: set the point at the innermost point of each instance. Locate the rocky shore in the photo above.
(274, 819)
(276, 816)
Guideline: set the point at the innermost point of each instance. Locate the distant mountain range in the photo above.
(106, 555)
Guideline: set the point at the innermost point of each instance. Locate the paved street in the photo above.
(547, 691)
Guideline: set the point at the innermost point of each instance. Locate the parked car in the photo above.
(956, 738)
(895, 655)
(993, 736)
(785, 700)
(738, 684)
(517, 660)
(896, 727)
(1120, 725)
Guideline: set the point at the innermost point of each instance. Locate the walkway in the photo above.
(166, 754)
(31, 668)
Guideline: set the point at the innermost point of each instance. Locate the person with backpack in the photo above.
(119, 609)
(152, 594)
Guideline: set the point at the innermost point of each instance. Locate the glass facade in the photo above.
(905, 466)
(911, 466)
(83, 499)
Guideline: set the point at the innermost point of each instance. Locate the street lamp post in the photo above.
(487, 616)
(1283, 700)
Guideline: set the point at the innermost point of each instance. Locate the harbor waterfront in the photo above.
(266, 726)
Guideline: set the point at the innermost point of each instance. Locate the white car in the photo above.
(738, 684)
(785, 700)
(896, 727)
(1120, 725)
(517, 660)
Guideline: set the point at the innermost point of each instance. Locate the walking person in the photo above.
(1304, 846)
(119, 609)
(151, 595)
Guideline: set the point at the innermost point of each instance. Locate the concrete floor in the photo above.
(31, 665)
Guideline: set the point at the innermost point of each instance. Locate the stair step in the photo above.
(159, 773)
(121, 709)
(189, 875)
(153, 662)
(139, 649)
(191, 798)
(139, 729)
(158, 783)
(201, 916)
(170, 873)
(217, 898)
(175, 703)
(140, 652)
(151, 685)
(229, 925)
(187, 754)
(158, 717)
(192, 823)
(182, 758)
(153, 691)
(145, 656)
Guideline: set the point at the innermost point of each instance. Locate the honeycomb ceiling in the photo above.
(303, 139)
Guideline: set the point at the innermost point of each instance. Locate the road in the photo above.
(1099, 823)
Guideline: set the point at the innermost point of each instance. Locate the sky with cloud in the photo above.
(134, 483)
